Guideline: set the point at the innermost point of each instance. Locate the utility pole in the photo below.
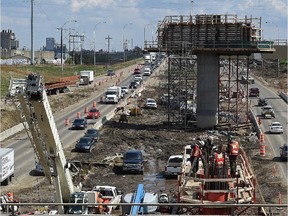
(108, 39)
(32, 45)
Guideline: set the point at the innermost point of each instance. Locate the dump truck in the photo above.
(7, 165)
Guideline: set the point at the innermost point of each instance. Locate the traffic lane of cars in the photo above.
(279, 106)
(25, 157)
(24, 163)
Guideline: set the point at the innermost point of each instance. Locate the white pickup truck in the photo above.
(110, 194)
(173, 166)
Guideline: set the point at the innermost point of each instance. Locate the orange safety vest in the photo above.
(196, 151)
(219, 160)
(234, 148)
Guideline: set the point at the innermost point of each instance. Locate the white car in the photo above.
(138, 76)
(125, 89)
(151, 103)
(276, 127)
(147, 71)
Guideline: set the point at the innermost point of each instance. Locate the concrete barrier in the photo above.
(11, 131)
(284, 96)
(255, 122)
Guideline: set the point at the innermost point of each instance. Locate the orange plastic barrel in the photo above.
(262, 150)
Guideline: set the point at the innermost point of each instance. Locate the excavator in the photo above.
(33, 105)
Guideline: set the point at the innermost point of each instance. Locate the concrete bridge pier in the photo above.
(207, 90)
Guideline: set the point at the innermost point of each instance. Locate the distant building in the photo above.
(8, 40)
(50, 44)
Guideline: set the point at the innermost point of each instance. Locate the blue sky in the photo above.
(118, 18)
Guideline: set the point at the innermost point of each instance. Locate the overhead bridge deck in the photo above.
(219, 34)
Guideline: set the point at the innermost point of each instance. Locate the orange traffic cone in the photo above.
(78, 115)
(94, 104)
(67, 121)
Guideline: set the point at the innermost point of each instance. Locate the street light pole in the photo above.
(124, 46)
(278, 41)
(61, 29)
(94, 35)
(145, 34)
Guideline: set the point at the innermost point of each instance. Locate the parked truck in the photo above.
(86, 77)
(110, 195)
(7, 165)
(113, 95)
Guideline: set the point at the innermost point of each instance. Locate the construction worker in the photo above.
(233, 151)
(196, 153)
(100, 200)
(219, 161)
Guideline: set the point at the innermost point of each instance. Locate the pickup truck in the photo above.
(110, 194)
(173, 166)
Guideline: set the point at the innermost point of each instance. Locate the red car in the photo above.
(93, 113)
(137, 71)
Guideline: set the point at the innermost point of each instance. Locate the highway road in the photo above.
(275, 141)
(24, 155)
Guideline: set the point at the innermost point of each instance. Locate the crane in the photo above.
(35, 109)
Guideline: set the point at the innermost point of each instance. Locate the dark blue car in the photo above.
(92, 133)
(79, 124)
(133, 161)
(85, 144)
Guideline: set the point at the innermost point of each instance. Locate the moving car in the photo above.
(147, 71)
(110, 72)
(133, 161)
(151, 103)
(137, 71)
(267, 112)
(85, 144)
(40, 171)
(79, 124)
(138, 76)
(173, 166)
(244, 80)
(133, 85)
(276, 127)
(262, 102)
(254, 92)
(125, 89)
(92, 133)
(137, 80)
(284, 152)
(93, 114)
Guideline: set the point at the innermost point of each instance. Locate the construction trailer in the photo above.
(212, 50)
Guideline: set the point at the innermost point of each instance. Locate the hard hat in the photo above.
(201, 143)
(210, 138)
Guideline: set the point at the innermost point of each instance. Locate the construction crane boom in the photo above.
(42, 130)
